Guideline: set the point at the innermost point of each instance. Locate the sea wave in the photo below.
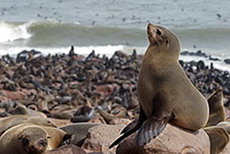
(14, 31)
(107, 50)
(51, 34)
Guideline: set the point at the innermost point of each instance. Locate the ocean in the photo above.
(52, 26)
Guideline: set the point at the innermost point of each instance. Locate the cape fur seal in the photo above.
(216, 108)
(24, 139)
(165, 92)
(14, 120)
(22, 110)
(218, 137)
(29, 138)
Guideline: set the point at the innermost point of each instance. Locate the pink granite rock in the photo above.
(100, 137)
(172, 140)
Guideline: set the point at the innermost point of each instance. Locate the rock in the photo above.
(119, 121)
(79, 131)
(100, 137)
(69, 149)
(172, 140)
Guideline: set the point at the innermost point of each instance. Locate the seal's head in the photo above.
(163, 40)
(34, 140)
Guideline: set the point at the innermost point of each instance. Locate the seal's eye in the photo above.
(158, 32)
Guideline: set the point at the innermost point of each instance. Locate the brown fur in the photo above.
(24, 139)
(163, 86)
(166, 94)
(216, 108)
(29, 138)
(218, 138)
(14, 120)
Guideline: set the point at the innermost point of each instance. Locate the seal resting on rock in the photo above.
(29, 138)
(219, 138)
(24, 139)
(216, 108)
(8, 122)
(166, 94)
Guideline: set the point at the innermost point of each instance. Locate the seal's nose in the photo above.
(150, 26)
(150, 29)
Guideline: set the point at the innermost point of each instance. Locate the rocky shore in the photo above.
(70, 88)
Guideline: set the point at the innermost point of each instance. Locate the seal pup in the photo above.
(218, 137)
(24, 139)
(216, 108)
(29, 138)
(166, 94)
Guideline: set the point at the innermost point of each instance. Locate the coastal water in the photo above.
(105, 26)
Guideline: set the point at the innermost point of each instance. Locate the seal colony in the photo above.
(166, 94)
(103, 89)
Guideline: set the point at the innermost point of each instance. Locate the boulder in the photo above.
(100, 137)
(120, 121)
(79, 131)
(172, 140)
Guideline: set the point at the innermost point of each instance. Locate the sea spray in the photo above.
(11, 31)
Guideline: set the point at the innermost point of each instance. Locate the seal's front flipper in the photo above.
(135, 122)
(129, 126)
(149, 130)
(128, 130)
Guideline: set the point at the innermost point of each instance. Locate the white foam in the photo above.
(105, 50)
(217, 64)
(10, 32)
(82, 50)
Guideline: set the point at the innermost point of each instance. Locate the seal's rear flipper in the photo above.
(149, 130)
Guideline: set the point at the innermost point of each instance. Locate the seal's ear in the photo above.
(167, 41)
